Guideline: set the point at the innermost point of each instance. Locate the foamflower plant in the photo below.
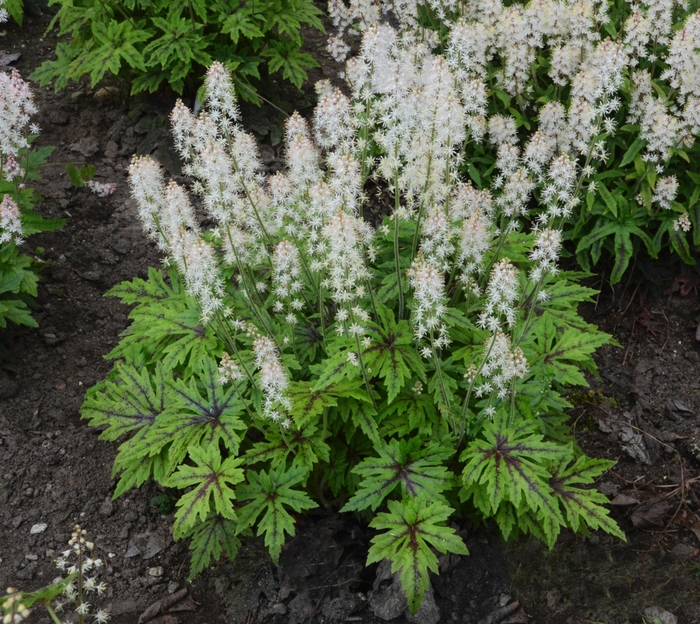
(366, 331)
(68, 597)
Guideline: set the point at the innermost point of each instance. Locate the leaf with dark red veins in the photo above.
(584, 504)
(412, 528)
(401, 463)
(511, 462)
(269, 494)
(211, 478)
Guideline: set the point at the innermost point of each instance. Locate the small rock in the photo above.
(682, 551)
(111, 149)
(143, 126)
(156, 572)
(27, 573)
(107, 506)
(16, 521)
(87, 146)
(666, 617)
(40, 527)
(154, 545)
(609, 488)
(133, 551)
(51, 339)
(221, 584)
(82, 362)
(31, 557)
(8, 388)
(172, 587)
(278, 609)
(692, 356)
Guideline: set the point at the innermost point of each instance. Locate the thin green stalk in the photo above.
(441, 382)
(52, 613)
(465, 405)
(358, 345)
(397, 257)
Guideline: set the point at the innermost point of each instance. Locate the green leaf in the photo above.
(412, 528)
(166, 326)
(391, 355)
(270, 494)
(401, 462)
(129, 400)
(209, 539)
(623, 254)
(679, 242)
(632, 151)
(241, 23)
(609, 200)
(211, 479)
(509, 465)
(583, 504)
(306, 445)
(191, 419)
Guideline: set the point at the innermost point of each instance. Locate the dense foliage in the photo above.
(148, 44)
(372, 333)
(19, 163)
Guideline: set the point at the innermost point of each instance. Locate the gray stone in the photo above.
(87, 146)
(387, 601)
(666, 617)
(107, 506)
(144, 125)
(27, 573)
(428, 612)
(154, 545)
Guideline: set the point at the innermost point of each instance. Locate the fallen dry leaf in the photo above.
(179, 601)
(689, 521)
(650, 512)
(105, 92)
(623, 500)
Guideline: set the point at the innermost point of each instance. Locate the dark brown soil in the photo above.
(644, 411)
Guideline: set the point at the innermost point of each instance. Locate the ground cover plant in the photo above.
(147, 45)
(313, 349)
(18, 219)
(611, 85)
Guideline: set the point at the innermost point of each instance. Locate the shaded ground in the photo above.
(644, 412)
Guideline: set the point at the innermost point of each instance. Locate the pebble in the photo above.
(16, 521)
(657, 613)
(155, 572)
(27, 573)
(107, 507)
(31, 557)
(40, 527)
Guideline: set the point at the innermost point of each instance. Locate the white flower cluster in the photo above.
(10, 221)
(16, 107)
(272, 378)
(286, 268)
(428, 283)
(78, 559)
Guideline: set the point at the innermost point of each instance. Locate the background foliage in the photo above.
(148, 44)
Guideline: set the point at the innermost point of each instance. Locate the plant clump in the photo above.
(295, 355)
